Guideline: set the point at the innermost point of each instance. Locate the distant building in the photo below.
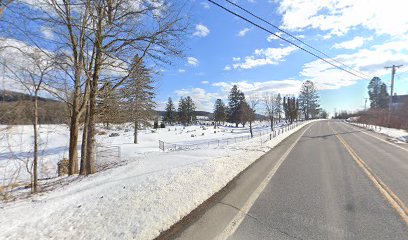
(398, 100)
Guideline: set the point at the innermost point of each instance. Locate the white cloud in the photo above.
(14, 55)
(205, 5)
(47, 32)
(284, 87)
(203, 100)
(243, 32)
(181, 70)
(227, 68)
(201, 30)
(236, 59)
(192, 61)
(370, 61)
(338, 17)
(205, 82)
(274, 37)
(261, 57)
(354, 43)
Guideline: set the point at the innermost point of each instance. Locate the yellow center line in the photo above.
(389, 195)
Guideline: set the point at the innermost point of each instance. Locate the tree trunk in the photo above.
(73, 143)
(91, 130)
(90, 144)
(35, 162)
(84, 142)
(271, 119)
(135, 133)
(250, 129)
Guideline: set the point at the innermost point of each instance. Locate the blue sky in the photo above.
(224, 50)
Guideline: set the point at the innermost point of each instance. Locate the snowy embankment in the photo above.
(138, 200)
(395, 134)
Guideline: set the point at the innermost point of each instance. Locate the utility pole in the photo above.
(393, 70)
(365, 104)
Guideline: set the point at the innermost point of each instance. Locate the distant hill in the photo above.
(197, 113)
(11, 96)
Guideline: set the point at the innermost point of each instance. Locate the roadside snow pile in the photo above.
(136, 201)
(398, 134)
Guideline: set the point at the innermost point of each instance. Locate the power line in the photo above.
(294, 37)
(284, 39)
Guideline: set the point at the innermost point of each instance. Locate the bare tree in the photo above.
(253, 102)
(32, 74)
(119, 35)
(3, 5)
(269, 101)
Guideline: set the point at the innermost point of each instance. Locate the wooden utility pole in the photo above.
(365, 104)
(393, 70)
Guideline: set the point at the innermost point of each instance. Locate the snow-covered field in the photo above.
(396, 134)
(139, 200)
(16, 145)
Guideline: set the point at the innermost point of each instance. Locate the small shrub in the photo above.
(114, 134)
(162, 125)
(156, 124)
(63, 167)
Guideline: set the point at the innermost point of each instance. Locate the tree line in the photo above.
(243, 110)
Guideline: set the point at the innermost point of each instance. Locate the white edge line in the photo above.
(392, 144)
(239, 217)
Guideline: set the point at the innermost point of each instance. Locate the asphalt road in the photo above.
(330, 180)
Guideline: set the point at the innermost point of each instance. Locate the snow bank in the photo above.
(397, 134)
(138, 200)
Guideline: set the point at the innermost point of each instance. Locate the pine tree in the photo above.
(235, 99)
(309, 100)
(186, 111)
(190, 107)
(170, 116)
(220, 114)
(377, 92)
(278, 106)
(108, 105)
(383, 99)
(139, 97)
(182, 112)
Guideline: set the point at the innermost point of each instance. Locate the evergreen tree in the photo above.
(235, 99)
(377, 92)
(384, 97)
(170, 116)
(278, 106)
(286, 108)
(182, 111)
(108, 105)
(190, 107)
(245, 114)
(186, 111)
(220, 114)
(139, 96)
(309, 100)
